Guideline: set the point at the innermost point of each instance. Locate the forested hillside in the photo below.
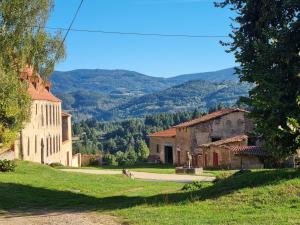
(119, 94)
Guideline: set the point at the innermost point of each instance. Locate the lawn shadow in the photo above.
(18, 199)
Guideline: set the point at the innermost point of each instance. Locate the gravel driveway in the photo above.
(147, 176)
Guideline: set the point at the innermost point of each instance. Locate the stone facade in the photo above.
(47, 137)
(187, 137)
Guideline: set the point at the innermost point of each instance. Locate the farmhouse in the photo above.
(47, 137)
(212, 141)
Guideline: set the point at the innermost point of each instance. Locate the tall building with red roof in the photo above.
(46, 137)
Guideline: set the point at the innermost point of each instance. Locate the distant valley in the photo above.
(119, 94)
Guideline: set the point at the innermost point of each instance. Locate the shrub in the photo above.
(222, 176)
(194, 186)
(110, 160)
(7, 166)
(56, 164)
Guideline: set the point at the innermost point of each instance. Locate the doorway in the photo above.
(215, 159)
(169, 154)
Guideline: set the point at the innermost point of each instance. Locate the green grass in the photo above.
(157, 168)
(259, 197)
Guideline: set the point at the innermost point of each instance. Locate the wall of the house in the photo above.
(226, 159)
(45, 126)
(233, 124)
(161, 142)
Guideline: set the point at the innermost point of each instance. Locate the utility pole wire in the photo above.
(68, 30)
(135, 33)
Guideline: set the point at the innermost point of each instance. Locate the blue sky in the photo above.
(155, 56)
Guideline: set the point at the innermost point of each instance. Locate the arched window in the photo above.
(50, 114)
(57, 143)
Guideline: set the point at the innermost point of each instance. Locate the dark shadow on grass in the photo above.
(25, 200)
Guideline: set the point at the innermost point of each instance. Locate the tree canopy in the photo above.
(266, 44)
(23, 41)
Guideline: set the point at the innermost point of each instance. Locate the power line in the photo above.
(134, 33)
(69, 28)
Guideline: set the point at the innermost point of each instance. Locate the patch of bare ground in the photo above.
(58, 218)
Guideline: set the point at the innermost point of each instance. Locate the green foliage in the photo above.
(23, 41)
(110, 159)
(143, 151)
(119, 136)
(131, 156)
(14, 107)
(7, 166)
(194, 186)
(265, 42)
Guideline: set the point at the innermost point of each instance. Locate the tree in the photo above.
(143, 150)
(266, 43)
(131, 156)
(23, 41)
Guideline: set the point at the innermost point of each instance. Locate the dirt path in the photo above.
(147, 176)
(60, 218)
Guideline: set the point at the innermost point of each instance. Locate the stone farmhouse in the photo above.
(216, 140)
(47, 137)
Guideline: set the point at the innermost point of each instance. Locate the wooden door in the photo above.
(215, 159)
(68, 159)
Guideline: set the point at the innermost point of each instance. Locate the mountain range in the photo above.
(119, 94)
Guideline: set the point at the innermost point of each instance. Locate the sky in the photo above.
(154, 56)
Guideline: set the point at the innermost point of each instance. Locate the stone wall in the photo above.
(157, 145)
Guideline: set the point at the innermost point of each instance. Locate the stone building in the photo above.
(202, 134)
(162, 146)
(47, 137)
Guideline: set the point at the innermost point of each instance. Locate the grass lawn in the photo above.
(158, 168)
(260, 197)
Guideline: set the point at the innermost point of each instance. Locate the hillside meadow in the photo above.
(260, 197)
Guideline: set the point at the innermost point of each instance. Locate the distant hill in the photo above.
(216, 76)
(198, 94)
(114, 94)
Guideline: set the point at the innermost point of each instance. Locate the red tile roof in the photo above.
(37, 86)
(248, 150)
(165, 133)
(65, 114)
(209, 117)
(238, 138)
(41, 93)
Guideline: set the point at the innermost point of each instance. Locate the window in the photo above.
(50, 114)
(42, 113)
(54, 145)
(35, 144)
(213, 139)
(59, 142)
(47, 115)
(157, 148)
(53, 113)
(47, 140)
(28, 147)
(50, 145)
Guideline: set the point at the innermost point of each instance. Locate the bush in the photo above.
(56, 164)
(110, 159)
(194, 186)
(222, 176)
(7, 166)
